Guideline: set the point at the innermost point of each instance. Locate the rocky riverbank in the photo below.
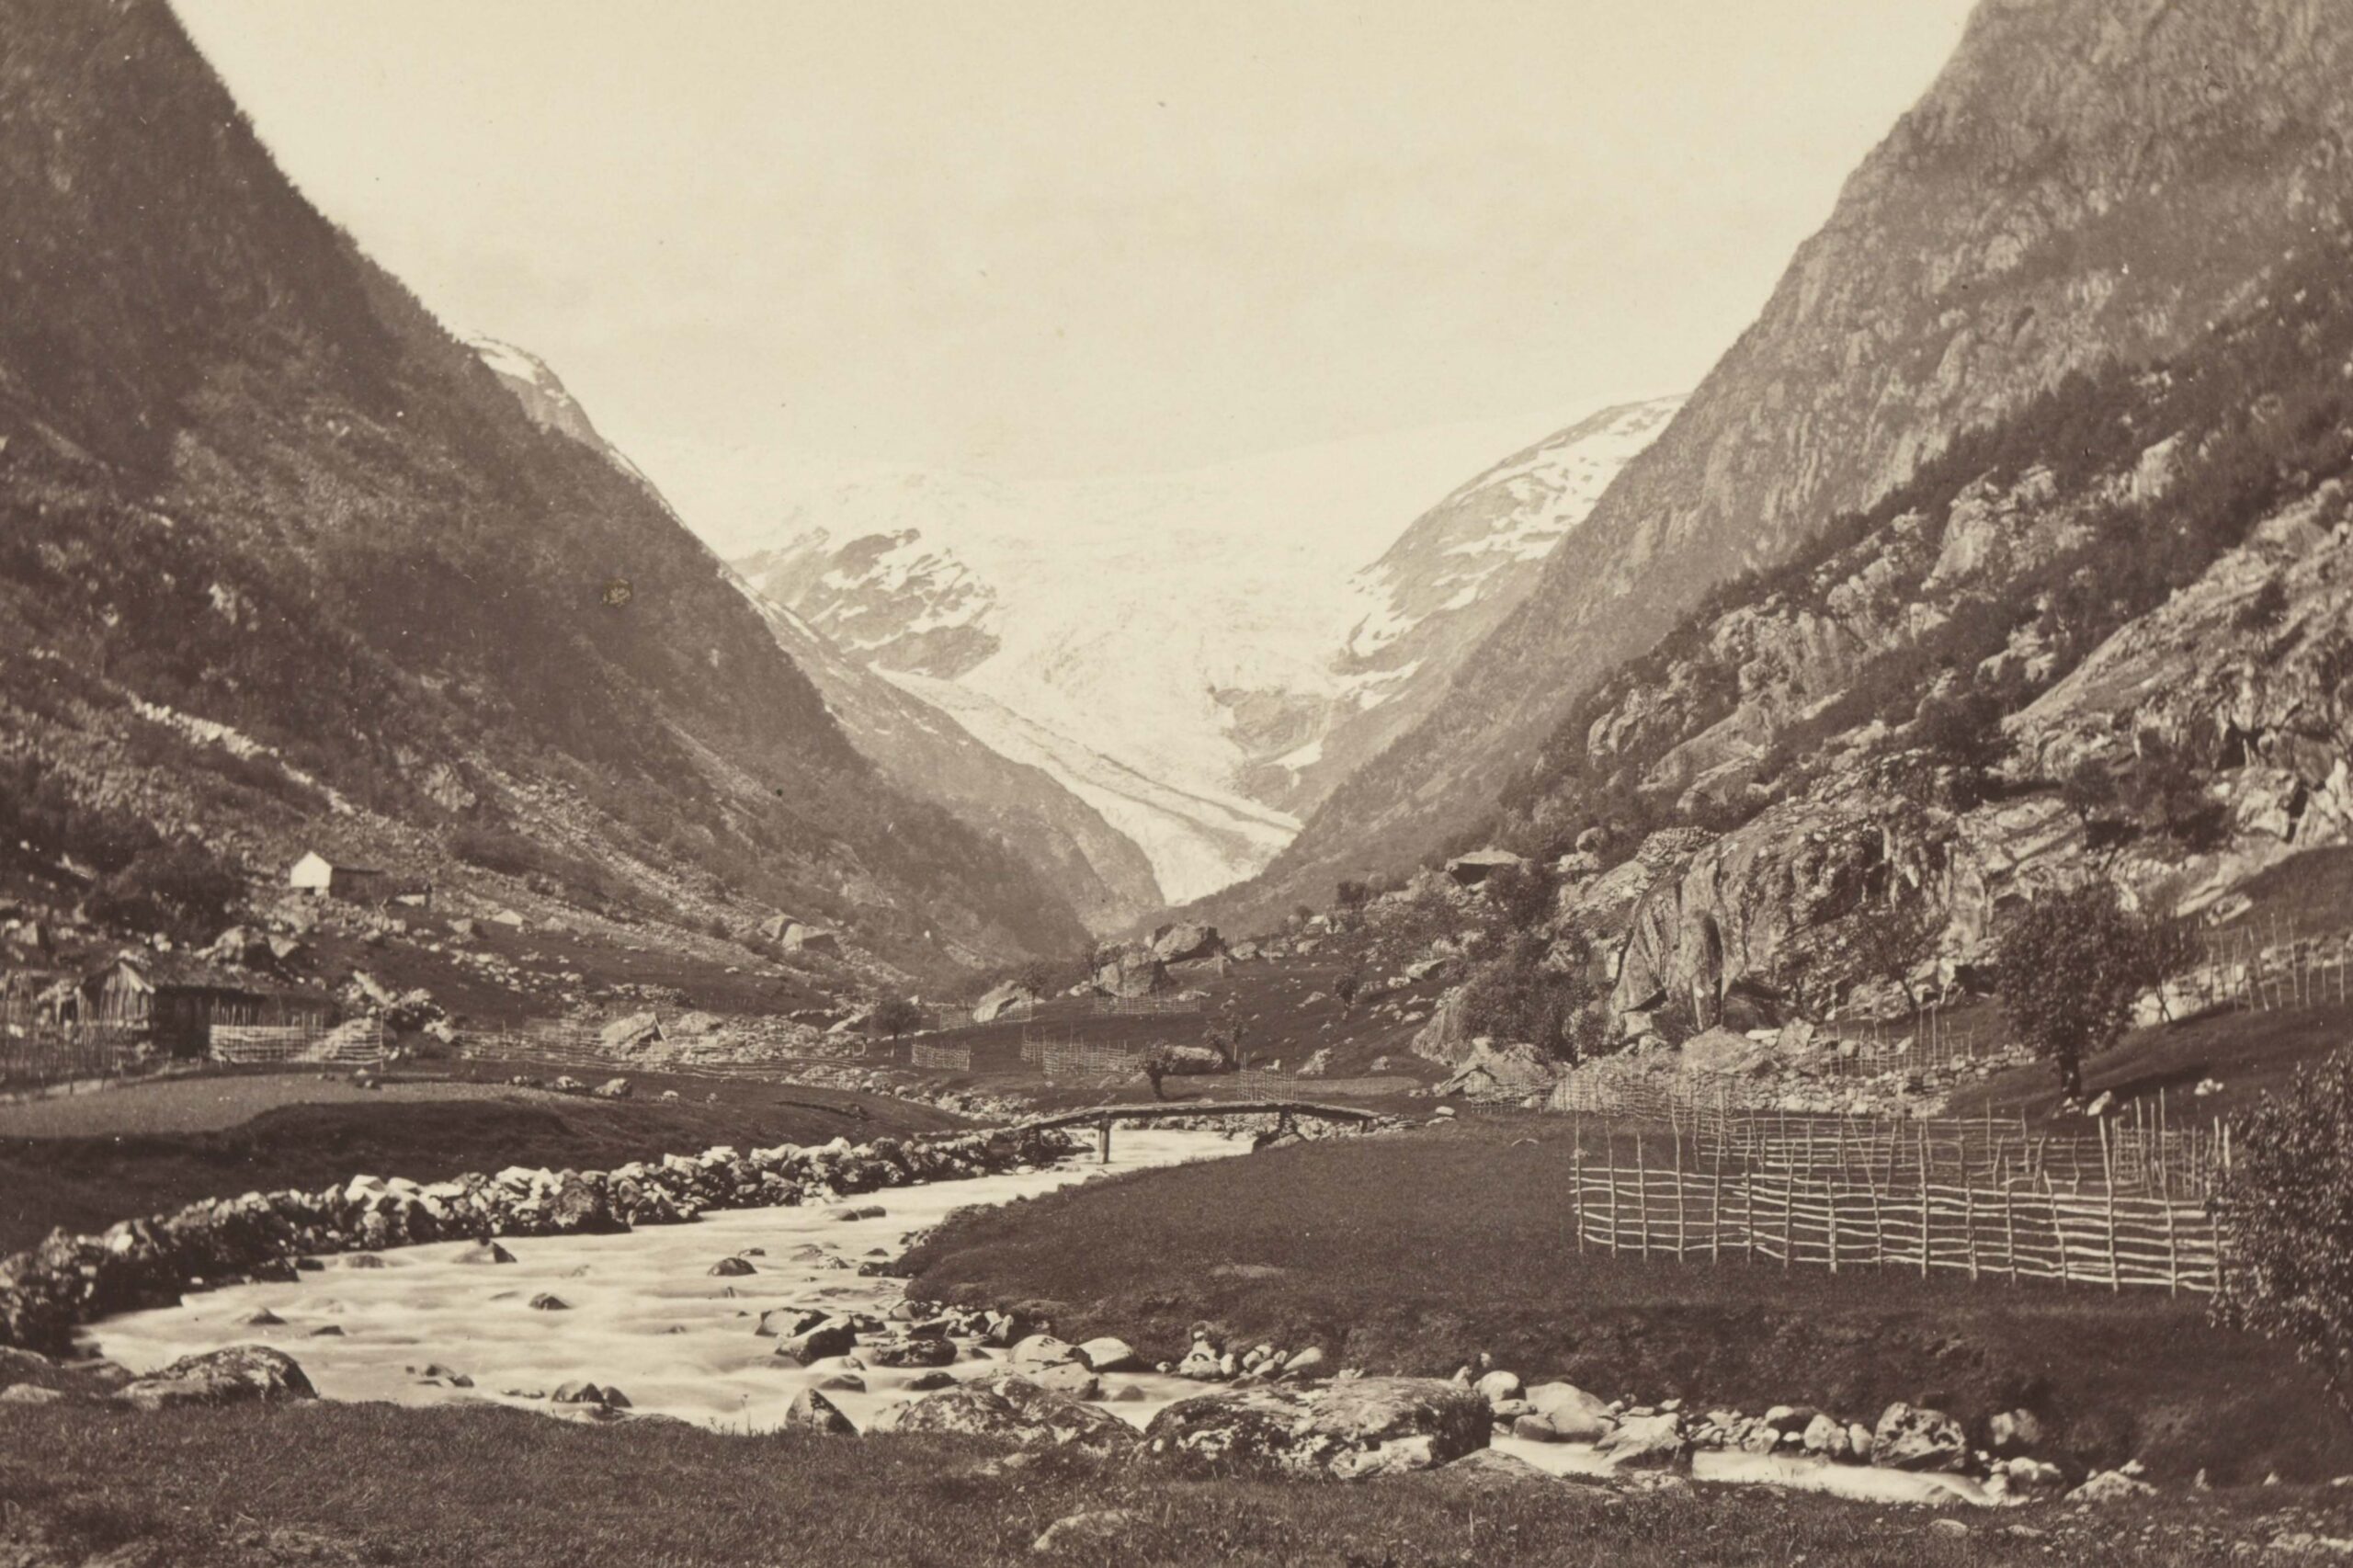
(70, 1280)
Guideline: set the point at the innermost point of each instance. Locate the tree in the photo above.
(1038, 977)
(894, 1016)
(2067, 967)
(2167, 948)
(1349, 982)
(1157, 1060)
(2288, 1200)
(1350, 895)
(1523, 893)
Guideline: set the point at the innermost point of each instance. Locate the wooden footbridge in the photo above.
(1286, 1113)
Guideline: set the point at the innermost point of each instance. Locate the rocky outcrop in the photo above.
(1344, 1430)
(1131, 974)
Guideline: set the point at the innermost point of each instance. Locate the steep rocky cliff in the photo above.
(2089, 181)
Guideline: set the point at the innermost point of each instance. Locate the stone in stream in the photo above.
(1070, 1378)
(1039, 1350)
(327, 1331)
(828, 1339)
(233, 1376)
(925, 1383)
(1489, 1471)
(547, 1301)
(1307, 1363)
(1910, 1437)
(1497, 1388)
(783, 1322)
(909, 1350)
(733, 1269)
(844, 1383)
(1563, 1413)
(1823, 1436)
(813, 1412)
(364, 1260)
(842, 1212)
(1108, 1354)
(484, 1252)
(1014, 1409)
(1647, 1442)
(602, 1396)
(264, 1318)
(1344, 1430)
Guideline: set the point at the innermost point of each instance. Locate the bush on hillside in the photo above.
(181, 887)
(1523, 997)
(1522, 894)
(2289, 1203)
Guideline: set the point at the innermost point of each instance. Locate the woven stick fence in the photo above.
(1653, 1200)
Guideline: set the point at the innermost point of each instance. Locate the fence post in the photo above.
(1830, 1208)
(1576, 1184)
(1641, 1195)
(1680, 1216)
(1716, 1211)
(2107, 1168)
(1924, 1200)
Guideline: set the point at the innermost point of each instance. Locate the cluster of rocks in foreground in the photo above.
(71, 1279)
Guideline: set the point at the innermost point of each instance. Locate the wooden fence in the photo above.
(1641, 1199)
(941, 1058)
(1147, 1005)
(2141, 1149)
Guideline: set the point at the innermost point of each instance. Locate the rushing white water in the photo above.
(642, 1312)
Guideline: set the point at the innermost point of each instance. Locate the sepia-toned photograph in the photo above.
(1176, 783)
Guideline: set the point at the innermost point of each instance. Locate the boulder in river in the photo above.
(232, 1376)
(1563, 1413)
(1359, 1427)
(1041, 1350)
(1108, 1354)
(828, 1339)
(1646, 1442)
(813, 1412)
(1910, 1437)
(733, 1267)
(484, 1252)
(1013, 1409)
(909, 1350)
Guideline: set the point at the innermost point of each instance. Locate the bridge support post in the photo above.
(1103, 1143)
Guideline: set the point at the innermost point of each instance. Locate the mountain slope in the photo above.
(1176, 648)
(2087, 179)
(1457, 573)
(248, 478)
(1103, 875)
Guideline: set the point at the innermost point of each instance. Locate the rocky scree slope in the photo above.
(2110, 635)
(2086, 180)
(248, 478)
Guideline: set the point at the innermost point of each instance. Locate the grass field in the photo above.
(85, 1163)
(325, 1484)
(1412, 1253)
(2249, 1053)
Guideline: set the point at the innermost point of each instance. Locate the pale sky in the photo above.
(764, 239)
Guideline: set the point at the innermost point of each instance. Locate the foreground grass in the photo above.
(505, 1489)
(88, 1181)
(1412, 1253)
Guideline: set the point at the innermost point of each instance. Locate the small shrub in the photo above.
(894, 1016)
(180, 887)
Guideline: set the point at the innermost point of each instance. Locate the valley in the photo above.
(959, 907)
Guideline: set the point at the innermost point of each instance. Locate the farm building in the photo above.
(314, 873)
(174, 1002)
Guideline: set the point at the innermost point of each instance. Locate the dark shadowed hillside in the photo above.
(2090, 182)
(250, 482)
